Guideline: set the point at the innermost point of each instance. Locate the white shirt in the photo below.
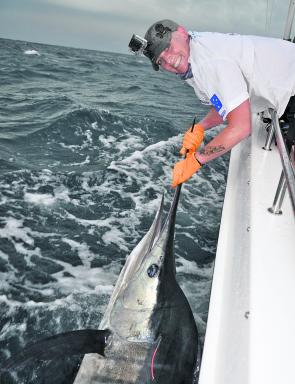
(229, 68)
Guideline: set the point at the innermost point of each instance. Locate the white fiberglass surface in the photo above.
(250, 334)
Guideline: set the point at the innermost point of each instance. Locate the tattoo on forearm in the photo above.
(208, 150)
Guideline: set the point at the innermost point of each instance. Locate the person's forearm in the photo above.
(212, 119)
(221, 144)
(238, 128)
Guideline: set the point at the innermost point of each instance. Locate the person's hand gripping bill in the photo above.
(184, 169)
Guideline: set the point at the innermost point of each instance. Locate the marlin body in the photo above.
(153, 335)
(148, 333)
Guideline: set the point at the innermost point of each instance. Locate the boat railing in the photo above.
(287, 178)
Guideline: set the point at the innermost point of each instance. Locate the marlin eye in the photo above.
(153, 270)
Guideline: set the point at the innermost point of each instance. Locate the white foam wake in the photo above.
(31, 52)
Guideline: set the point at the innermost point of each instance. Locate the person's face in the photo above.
(175, 57)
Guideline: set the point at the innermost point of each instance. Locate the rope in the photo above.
(268, 18)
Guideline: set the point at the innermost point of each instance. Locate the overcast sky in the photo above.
(107, 25)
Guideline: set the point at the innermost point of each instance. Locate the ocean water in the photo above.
(87, 143)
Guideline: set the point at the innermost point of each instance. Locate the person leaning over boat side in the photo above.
(236, 74)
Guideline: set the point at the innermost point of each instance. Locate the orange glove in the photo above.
(184, 169)
(192, 140)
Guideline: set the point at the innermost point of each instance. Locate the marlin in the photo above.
(148, 334)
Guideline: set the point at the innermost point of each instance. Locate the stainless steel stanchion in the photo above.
(269, 137)
(279, 196)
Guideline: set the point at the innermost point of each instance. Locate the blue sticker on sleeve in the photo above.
(217, 104)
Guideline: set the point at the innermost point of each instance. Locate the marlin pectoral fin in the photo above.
(62, 345)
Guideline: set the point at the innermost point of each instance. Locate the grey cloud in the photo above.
(108, 25)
